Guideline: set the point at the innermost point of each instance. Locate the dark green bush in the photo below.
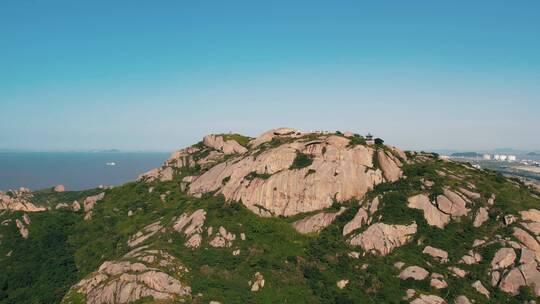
(301, 161)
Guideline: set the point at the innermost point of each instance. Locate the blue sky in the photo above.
(158, 75)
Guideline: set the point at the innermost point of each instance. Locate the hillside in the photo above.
(287, 217)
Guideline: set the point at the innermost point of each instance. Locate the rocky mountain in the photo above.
(287, 217)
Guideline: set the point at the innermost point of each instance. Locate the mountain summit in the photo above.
(287, 217)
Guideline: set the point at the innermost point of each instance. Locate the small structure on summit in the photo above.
(369, 139)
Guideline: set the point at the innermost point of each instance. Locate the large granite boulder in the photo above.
(383, 238)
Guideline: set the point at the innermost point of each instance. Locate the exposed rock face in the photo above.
(471, 258)
(261, 178)
(26, 219)
(359, 219)
(480, 288)
(481, 217)
(452, 203)
(533, 227)
(22, 228)
(18, 201)
(141, 273)
(414, 272)
(226, 146)
(512, 281)
(268, 136)
(428, 299)
(342, 283)
(317, 222)
(90, 201)
(59, 188)
(437, 253)
(383, 238)
(362, 217)
(458, 271)
(192, 227)
(61, 206)
(503, 258)
(526, 274)
(530, 215)
(462, 300)
(258, 282)
(509, 219)
(75, 206)
(433, 216)
(145, 233)
(337, 170)
(527, 240)
(470, 194)
(390, 166)
(223, 238)
(437, 281)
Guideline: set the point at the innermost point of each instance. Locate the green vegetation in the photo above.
(301, 161)
(241, 139)
(357, 140)
(253, 175)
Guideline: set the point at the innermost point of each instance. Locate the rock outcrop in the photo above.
(481, 217)
(22, 228)
(317, 222)
(264, 181)
(447, 206)
(428, 299)
(257, 283)
(59, 188)
(390, 165)
(90, 202)
(503, 258)
(383, 238)
(433, 216)
(414, 272)
(342, 284)
(139, 274)
(436, 253)
(480, 288)
(18, 200)
(226, 146)
(223, 238)
(362, 216)
(145, 233)
(192, 227)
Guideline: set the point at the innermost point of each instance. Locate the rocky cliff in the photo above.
(284, 172)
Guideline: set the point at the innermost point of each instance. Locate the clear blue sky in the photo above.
(158, 75)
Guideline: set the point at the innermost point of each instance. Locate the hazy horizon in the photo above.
(147, 77)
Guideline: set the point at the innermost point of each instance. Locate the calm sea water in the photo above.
(75, 170)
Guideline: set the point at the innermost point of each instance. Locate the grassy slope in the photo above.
(63, 248)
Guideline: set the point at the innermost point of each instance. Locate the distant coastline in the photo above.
(76, 170)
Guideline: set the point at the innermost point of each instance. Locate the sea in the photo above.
(74, 170)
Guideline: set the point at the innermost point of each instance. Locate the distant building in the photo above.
(486, 156)
(369, 139)
(512, 158)
(477, 166)
(503, 157)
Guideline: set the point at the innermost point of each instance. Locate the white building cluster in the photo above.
(500, 157)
